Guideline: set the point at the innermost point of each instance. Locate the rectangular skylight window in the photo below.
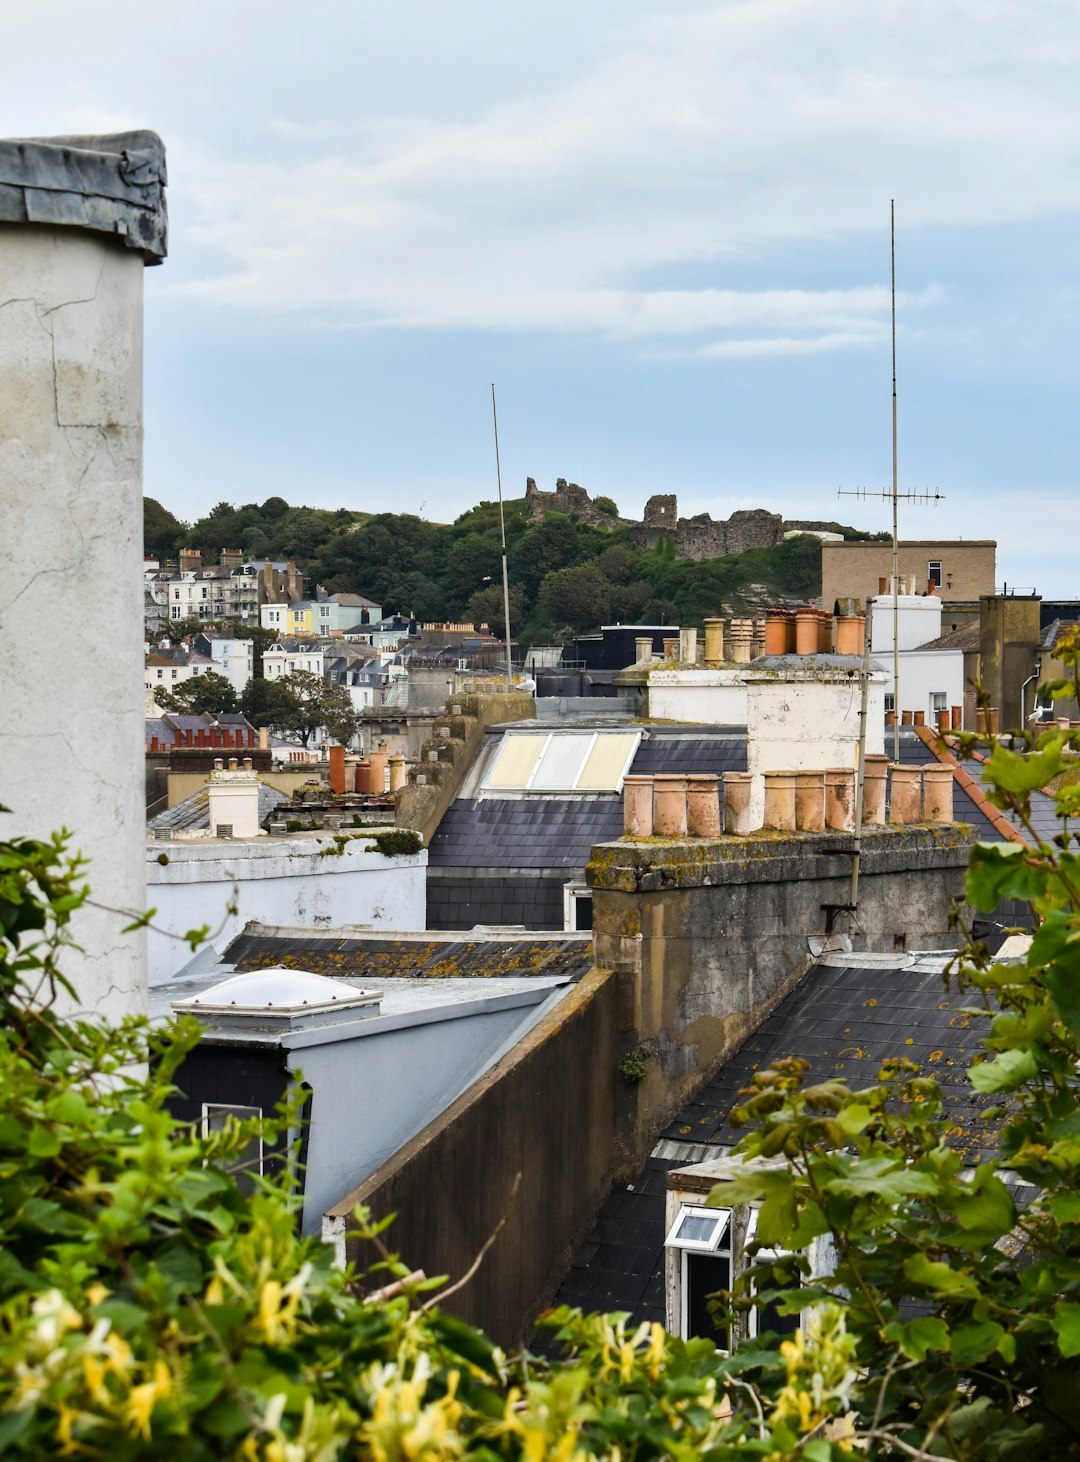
(517, 757)
(700, 1229)
(607, 763)
(582, 761)
(561, 763)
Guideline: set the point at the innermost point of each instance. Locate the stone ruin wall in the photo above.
(694, 538)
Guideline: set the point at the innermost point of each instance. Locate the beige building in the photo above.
(962, 570)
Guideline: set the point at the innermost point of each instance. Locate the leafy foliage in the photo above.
(300, 704)
(208, 692)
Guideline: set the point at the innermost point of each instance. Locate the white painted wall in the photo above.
(924, 671)
(279, 881)
(706, 697)
(805, 721)
(71, 473)
(918, 616)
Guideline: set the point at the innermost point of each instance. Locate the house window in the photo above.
(577, 907)
(890, 701)
(161, 675)
(250, 1159)
(938, 701)
(933, 572)
(703, 1235)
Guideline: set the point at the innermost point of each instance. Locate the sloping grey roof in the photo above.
(194, 811)
(545, 832)
(964, 637)
(844, 1020)
(431, 956)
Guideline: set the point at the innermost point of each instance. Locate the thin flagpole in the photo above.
(502, 532)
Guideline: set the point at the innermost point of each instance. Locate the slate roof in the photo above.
(844, 1019)
(422, 956)
(543, 832)
(965, 637)
(194, 811)
(969, 801)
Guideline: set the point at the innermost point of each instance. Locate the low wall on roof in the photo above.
(708, 936)
(546, 1111)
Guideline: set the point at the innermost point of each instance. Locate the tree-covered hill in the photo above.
(566, 576)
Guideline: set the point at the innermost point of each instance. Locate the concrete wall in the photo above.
(706, 937)
(546, 1111)
(71, 307)
(918, 616)
(852, 570)
(708, 697)
(444, 760)
(279, 881)
(806, 717)
(1008, 650)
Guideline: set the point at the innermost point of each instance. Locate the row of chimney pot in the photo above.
(215, 736)
(782, 632)
(908, 584)
(234, 765)
(674, 805)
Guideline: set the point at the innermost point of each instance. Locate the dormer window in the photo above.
(703, 1238)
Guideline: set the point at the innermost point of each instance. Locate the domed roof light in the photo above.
(280, 996)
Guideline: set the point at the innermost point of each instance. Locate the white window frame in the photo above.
(242, 1114)
(720, 1218)
(572, 892)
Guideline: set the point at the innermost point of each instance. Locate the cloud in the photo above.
(702, 137)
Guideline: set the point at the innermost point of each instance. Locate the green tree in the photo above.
(577, 597)
(300, 704)
(207, 692)
(163, 533)
(486, 607)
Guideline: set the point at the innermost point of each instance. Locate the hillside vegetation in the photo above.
(566, 577)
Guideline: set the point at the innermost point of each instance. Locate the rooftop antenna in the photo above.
(502, 532)
(896, 495)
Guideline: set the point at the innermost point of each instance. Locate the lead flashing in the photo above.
(113, 184)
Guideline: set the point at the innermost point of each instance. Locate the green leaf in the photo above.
(987, 1210)
(916, 1337)
(1005, 1072)
(974, 1341)
(1062, 979)
(1020, 774)
(44, 1142)
(1066, 1207)
(997, 870)
(1066, 1322)
(940, 1278)
(778, 1214)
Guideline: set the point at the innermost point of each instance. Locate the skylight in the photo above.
(582, 761)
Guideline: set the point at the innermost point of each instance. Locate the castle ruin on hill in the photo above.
(694, 538)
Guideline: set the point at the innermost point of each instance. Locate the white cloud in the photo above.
(705, 136)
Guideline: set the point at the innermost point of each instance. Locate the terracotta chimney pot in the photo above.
(905, 798)
(780, 801)
(810, 802)
(703, 805)
(737, 789)
(875, 781)
(669, 805)
(638, 806)
(840, 799)
(937, 793)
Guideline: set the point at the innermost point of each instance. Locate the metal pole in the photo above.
(502, 532)
(860, 782)
(895, 512)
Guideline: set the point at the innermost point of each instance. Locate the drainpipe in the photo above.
(1034, 676)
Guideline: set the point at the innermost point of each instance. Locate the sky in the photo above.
(662, 230)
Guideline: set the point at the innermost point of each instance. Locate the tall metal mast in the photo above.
(895, 502)
(502, 533)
